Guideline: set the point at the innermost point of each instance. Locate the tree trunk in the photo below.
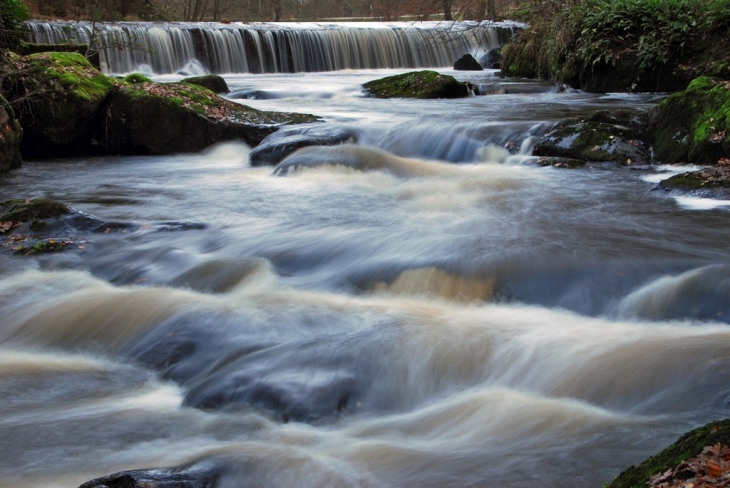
(491, 10)
(447, 10)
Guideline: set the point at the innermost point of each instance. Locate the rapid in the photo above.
(423, 308)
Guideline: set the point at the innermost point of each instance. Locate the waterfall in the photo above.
(164, 48)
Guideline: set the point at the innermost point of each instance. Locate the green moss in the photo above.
(694, 125)
(32, 210)
(136, 78)
(74, 72)
(688, 446)
(417, 84)
(42, 247)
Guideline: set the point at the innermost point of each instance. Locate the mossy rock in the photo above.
(166, 118)
(688, 446)
(11, 136)
(693, 126)
(32, 210)
(135, 78)
(616, 135)
(214, 83)
(58, 96)
(710, 178)
(417, 84)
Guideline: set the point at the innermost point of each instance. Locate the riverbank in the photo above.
(623, 45)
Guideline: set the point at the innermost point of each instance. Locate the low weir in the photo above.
(191, 48)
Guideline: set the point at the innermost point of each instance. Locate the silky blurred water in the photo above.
(435, 312)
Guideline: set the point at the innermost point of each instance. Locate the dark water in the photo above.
(399, 321)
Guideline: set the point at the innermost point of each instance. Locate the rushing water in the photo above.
(400, 321)
(164, 48)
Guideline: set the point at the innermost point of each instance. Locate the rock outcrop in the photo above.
(68, 108)
(693, 126)
(58, 96)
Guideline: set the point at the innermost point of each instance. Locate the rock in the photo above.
(61, 95)
(560, 162)
(711, 181)
(690, 445)
(417, 84)
(616, 136)
(185, 477)
(493, 59)
(693, 126)
(42, 226)
(165, 118)
(467, 63)
(11, 136)
(279, 145)
(214, 83)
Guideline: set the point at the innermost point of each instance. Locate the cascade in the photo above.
(166, 48)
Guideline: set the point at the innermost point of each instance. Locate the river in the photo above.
(456, 318)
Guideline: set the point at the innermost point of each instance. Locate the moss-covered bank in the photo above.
(688, 446)
(417, 84)
(693, 126)
(624, 45)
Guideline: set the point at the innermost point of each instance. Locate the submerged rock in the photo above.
(61, 95)
(417, 84)
(693, 126)
(675, 457)
(42, 226)
(282, 143)
(467, 63)
(214, 83)
(713, 181)
(11, 136)
(184, 477)
(616, 136)
(165, 118)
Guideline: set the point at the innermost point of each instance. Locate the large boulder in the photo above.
(59, 96)
(282, 143)
(616, 136)
(11, 135)
(164, 118)
(693, 126)
(467, 63)
(417, 84)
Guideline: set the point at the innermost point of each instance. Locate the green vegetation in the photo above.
(417, 84)
(688, 446)
(74, 72)
(624, 45)
(12, 30)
